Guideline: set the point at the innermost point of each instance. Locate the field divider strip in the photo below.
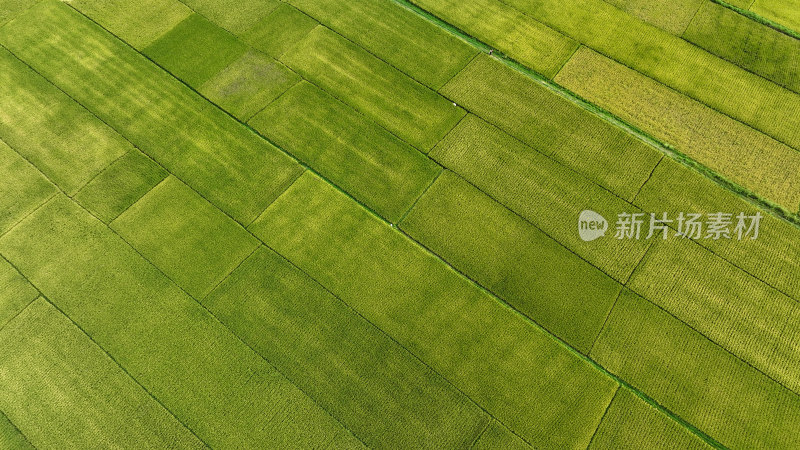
(483, 431)
(767, 205)
(425, 191)
(15, 425)
(603, 417)
(689, 23)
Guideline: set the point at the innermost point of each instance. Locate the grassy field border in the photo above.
(759, 19)
(792, 217)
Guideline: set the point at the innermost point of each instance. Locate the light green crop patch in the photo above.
(544, 192)
(397, 35)
(739, 312)
(211, 381)
(520, 37)
(774, 257)
(706, 385)
(11, 437)
(120, 185)
(522, 375)
(517, 262)
(249, 84)
(553, 125)
(673, 16)
(22, 187)
(235, 16)
(15, 292)
(732, 149)
(63, 391)
(186, 237)
(747, 43)
(497, 436)
(276, 33)
(403, 106)
(368, 162)
(367, 381)
(674, 62)
(61, 138)
(217, 156)
(784, 12)
(137, 22)
(630, 422)
(195, 50)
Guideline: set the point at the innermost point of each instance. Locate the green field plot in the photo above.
(673, 16)
(169, 343)
(61, 138)
(705, 385)
(195, 50)
(368, 162)
(10, 8)
(497, 436)
(137, 22)
(236, 16)
(401, 105)
(186, 237)
(773, 257)
(376, 388)
(544, 192)
(248, 84)
(416, 46)
(521, 376)
(741, 313)
(279, 31)
(220, 158)
(11, 437)
(632, 423)
(124, 182)
(553, 125)
(22, 188)
(507, 255)
(15, 292)
(784, 12)
(513, 33)
(676, 63)
(747, 43)
(63, 391)
(738, 152)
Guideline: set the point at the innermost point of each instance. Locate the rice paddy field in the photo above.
(397, 224)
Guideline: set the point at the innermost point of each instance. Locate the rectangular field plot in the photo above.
(522, 376)
(672, 16)
(752, 320)
(137, 22)
(630, 422)
(365, 160)
(15, 292)
(376, 388)
(211, 381)
(419, 48)
(186, 237)
(747, 43)
(732, 149)
(553, 125)
(22, 188)
(63, 391)
(706, 386)
(674, 62)
(236, 16)
(120, 185)
(61, 138)
(195, 50)
(280, 30)
(224, 161)
(403, 106)
(784, 12)
(513, 33)
(507, 255)
(249, 84)
(773, 257)
(544, 192)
